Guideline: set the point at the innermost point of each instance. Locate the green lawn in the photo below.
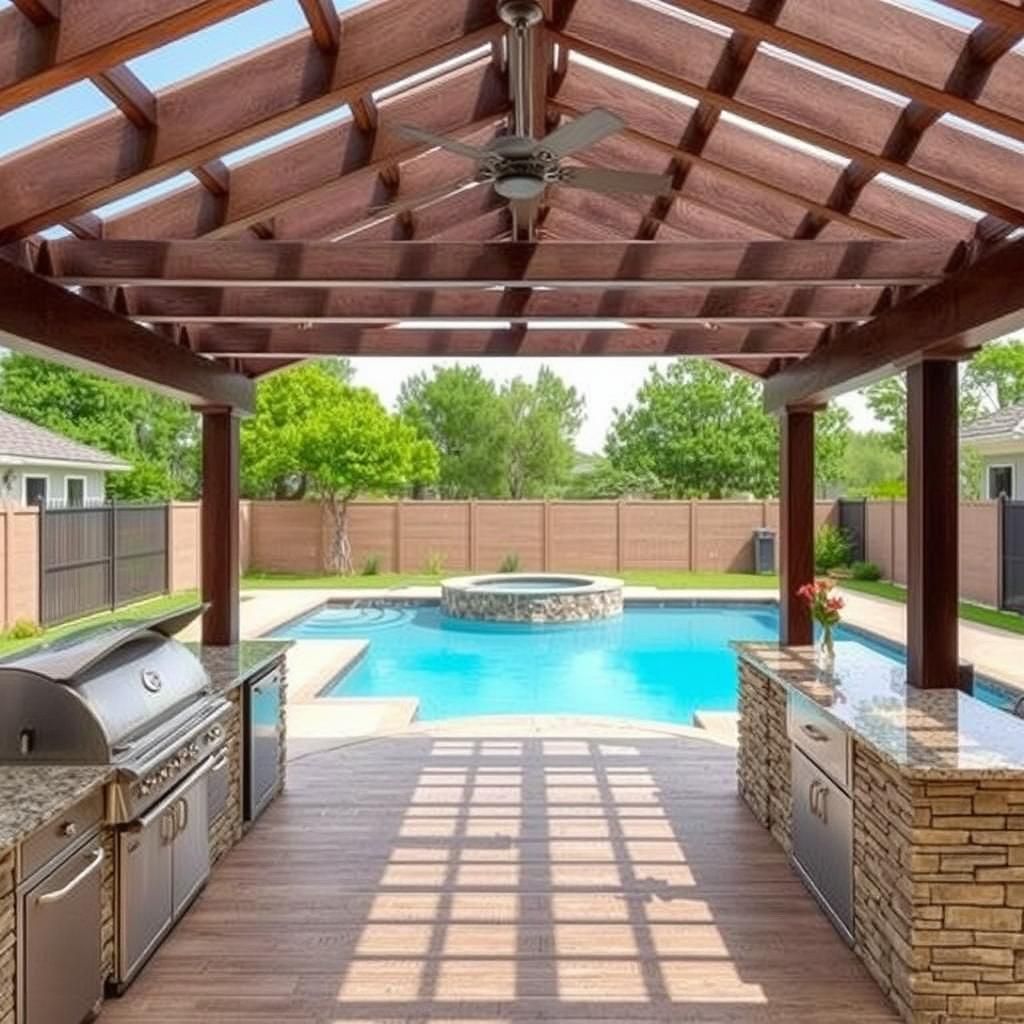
(130, 613)
(640, 578)
(968, 611)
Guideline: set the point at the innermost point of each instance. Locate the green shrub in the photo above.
(510, 563)
(23, 629)
(371, 567)
(435, 563)
(865, 571)
(832, 548)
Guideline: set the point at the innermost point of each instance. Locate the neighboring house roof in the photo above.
(1005, 425)
(26, 443)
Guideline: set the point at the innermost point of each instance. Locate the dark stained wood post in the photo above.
(933, 505)
(796, 523)
(219, 525)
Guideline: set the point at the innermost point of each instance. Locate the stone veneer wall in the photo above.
(226, 829)
(564, 606)
(764, 761)
(8, 952)
(107, 909)
(939, 893)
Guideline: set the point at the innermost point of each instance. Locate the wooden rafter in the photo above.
(41, 317)
(321, 340)
(40, 52)
(414, 264)
(979, 303)
(230, 106)
(323, 23)
(876, 163)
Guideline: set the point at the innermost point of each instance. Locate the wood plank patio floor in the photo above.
(517, 870)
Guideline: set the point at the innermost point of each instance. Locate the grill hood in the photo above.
(93, 699)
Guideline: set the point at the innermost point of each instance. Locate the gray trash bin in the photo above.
(764, 551)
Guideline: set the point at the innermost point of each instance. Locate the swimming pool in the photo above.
(661, 663)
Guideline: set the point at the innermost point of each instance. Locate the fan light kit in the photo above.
(520, 167)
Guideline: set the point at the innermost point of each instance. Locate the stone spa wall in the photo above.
(463, 601)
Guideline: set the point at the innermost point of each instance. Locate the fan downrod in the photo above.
(520, 13)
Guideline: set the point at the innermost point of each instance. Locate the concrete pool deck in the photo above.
(317, 722)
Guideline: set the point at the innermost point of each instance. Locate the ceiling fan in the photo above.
(519, 167)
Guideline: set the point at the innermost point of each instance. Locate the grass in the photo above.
(130, 613)
(639, 578)
(969, 611)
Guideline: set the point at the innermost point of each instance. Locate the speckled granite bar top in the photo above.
(30, 795)
(231, 665)
(933, 734)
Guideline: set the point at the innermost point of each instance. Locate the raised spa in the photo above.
(531, 597)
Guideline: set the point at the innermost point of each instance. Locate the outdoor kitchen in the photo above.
(902, 810)
(130, 763)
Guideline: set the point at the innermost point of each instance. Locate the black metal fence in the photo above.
(98, 558)
(1012, 542)
(853, 521)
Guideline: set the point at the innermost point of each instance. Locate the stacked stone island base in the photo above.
(938, 827)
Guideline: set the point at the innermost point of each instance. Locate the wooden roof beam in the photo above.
(42, 318)
(454, 264)
(41, 52)
(322, 340)
(655, 307)
(868, 71)
(878, 163)
(980, 303)
(323, 23)
(232, 105)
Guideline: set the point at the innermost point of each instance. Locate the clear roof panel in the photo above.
(50, 114)
(144, 195)
(298, 131)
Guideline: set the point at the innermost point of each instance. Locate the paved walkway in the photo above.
(507, 870)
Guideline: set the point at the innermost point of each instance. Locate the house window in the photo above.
(1000, 481)
(74, 491)
(36, 490)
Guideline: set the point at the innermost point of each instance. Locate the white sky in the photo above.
(605, 383)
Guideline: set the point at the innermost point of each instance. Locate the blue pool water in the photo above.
(660, 663)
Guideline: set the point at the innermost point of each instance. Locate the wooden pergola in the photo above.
(844, 198)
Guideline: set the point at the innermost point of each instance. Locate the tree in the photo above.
(831, 439)
(352, 446)
(700, 431)
(596, 478)
(158, 436)
(271, 438)
(542, 421)
(871, 469)
(457, 408)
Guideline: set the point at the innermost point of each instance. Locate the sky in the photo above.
(606, 383)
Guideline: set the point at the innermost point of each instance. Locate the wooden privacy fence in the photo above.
(101, 557)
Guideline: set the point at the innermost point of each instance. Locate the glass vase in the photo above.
(826, 651)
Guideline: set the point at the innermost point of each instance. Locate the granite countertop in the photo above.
(30, 795)
(927, 734)
(231, 665)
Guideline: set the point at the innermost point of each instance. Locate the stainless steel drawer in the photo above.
(61, 833)
(823, 840)
(821, 739)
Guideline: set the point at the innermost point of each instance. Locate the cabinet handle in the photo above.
(816, 734)
(823, 804)
(180, 816)
(812, 793)
(59, 894)
(167, 825)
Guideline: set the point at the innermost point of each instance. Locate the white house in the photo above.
(999, 440)
(37, 464)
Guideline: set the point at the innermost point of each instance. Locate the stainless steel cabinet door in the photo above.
(63, 977)
(191, 854)
(823, 836)
(144, 877)
(264, 741)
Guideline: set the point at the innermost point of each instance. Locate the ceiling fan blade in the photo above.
(402, 205)
(581, 132)
(604, 179)
(452, 145)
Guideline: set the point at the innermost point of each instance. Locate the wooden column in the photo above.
(796, 524)
(933, 505)
(219, 525)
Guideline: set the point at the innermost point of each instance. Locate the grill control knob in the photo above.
(193, 749)
(216, 732)
(69, 829)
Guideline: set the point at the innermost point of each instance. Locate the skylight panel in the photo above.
(453, 63)
(926, 195)
(937, 12)
(298, 131)
(203, 50)
(451, 325)
(630, 79)
(144, 195)
(35, 121)
(980, 132)
(691, 19)
(785, 140)
(833, 75)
